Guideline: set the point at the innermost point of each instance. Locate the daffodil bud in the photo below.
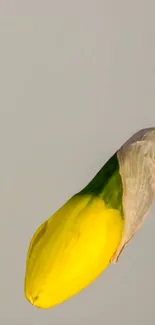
(75, 245)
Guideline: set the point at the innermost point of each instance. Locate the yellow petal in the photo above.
(70, 250)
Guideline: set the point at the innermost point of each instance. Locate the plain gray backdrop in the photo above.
(77, 79)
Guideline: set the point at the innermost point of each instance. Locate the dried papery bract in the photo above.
(137, 168)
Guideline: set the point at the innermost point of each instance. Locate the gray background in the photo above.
(77, 78)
